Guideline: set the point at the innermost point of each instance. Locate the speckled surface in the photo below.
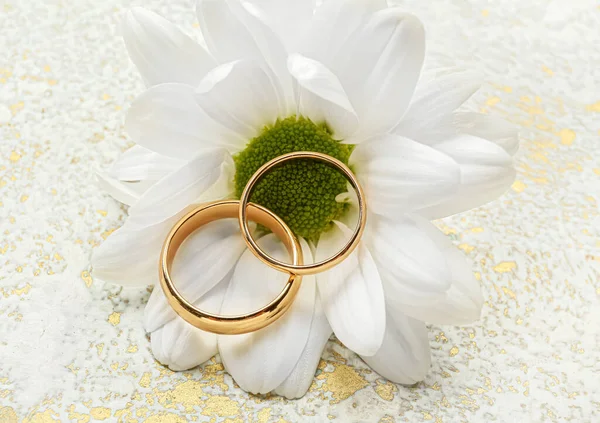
(72, 349)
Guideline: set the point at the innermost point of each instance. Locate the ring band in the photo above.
(303, 269)
(228, 325)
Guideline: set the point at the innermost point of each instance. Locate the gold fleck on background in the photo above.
(73, 350)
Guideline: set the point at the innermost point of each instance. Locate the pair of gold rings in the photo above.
(245, 211)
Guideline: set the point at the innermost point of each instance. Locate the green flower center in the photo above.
(301, 192)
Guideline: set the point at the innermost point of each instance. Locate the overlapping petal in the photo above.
(181, 346)
(124, 192)
(161, 52)
(298, 382)
(167, 119)
(486, 172)
(351, 293)
(261, 361)
(179, 189)
(401, 175)
(463, 301)
(379, 66)
(430, 116)
(242, 95)
(321, 97)
(491, 128)
(412, 268)
(288, 18)
(140, 164)
(129, 256)
(434, 116)
(333, 23)
(236, 31)
(404, 356)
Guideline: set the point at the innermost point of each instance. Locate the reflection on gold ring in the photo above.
(303, 269)
(228, 325)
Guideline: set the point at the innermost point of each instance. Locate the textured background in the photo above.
(72, 349)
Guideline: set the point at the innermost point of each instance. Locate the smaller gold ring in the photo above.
(228, 325)
(303, 269)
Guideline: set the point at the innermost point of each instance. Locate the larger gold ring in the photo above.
(303, 269)
(228, 325)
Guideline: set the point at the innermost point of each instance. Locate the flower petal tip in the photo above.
(368, 350)
(135, 16)
(473, 306)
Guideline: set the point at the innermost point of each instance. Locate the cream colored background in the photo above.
(72, 349)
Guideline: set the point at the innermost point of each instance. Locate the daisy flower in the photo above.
(344, 78)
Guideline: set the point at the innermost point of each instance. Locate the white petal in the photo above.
(298, 382)
(260, 361)
(332, 24)
(429, 117)
(204, 259)
(139, 164)
(400, 175)
(234, 31)
(120, 191)
(491, 128)
(223, 188)
(226, 37)
(179, 189)
(156, 343)
(463, 301)
(161, 51)
(288, 18)
(241, 95)
(181, 346)
(168, 120)
(351, 293)
(350, 199)
(404, 356)
(321, 96)
(379, 66)
(129, 257)
(486, 173)
(412, 268)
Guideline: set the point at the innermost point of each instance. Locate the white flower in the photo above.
(274, 72)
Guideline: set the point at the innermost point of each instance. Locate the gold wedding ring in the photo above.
(228, 325)
(299, 268)
(244, 211)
